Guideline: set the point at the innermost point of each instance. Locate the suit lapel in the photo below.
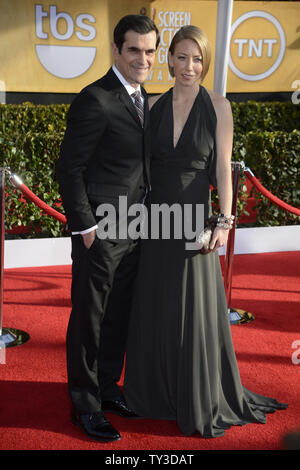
(112, 83)
(146, 108)
(127, 101)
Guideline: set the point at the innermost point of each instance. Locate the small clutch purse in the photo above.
(205, 236)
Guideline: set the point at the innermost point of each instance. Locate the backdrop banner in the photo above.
(58, 46)
(61, 46)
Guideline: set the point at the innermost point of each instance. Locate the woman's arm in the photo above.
(224, 139)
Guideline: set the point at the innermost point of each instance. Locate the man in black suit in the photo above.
(105, 154)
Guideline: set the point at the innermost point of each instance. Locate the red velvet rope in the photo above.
(57, 215)
(270, 196)
(37, 201)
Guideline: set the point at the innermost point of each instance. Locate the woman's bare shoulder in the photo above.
(152, 100)
(220, 103)
(222, 107)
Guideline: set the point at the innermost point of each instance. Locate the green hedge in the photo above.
(32, 157)
(265, 139)
(22, 118)
(250, 116)
(254, 116)
(274, 159)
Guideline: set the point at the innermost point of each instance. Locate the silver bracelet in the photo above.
(225, 221)
(223, 225)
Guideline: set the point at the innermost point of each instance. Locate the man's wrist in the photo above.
(83, 232)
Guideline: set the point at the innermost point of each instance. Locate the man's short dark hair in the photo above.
(139, 23)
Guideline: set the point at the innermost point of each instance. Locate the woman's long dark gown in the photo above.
(180, 361)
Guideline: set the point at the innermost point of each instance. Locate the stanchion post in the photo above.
(2, 343)
(2, 177)
(231, 236)
(236, 316)
(8, 336)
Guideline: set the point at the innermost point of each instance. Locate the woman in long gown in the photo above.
(180, 361)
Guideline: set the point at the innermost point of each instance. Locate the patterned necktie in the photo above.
(139, 105)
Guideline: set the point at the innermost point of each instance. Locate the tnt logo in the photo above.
(257, 45)
(64, 61)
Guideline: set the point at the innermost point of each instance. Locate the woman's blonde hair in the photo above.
(195, 34)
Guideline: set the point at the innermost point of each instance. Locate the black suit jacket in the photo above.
(105, 152)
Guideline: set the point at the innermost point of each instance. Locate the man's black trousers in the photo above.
(102, 289)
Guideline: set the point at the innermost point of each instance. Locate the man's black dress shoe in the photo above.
(118, 406)
(96, 426)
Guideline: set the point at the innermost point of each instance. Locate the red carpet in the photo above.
(34, 404)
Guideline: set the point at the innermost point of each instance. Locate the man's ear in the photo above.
(115, 50)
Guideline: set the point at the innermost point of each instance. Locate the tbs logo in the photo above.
(64, 61)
